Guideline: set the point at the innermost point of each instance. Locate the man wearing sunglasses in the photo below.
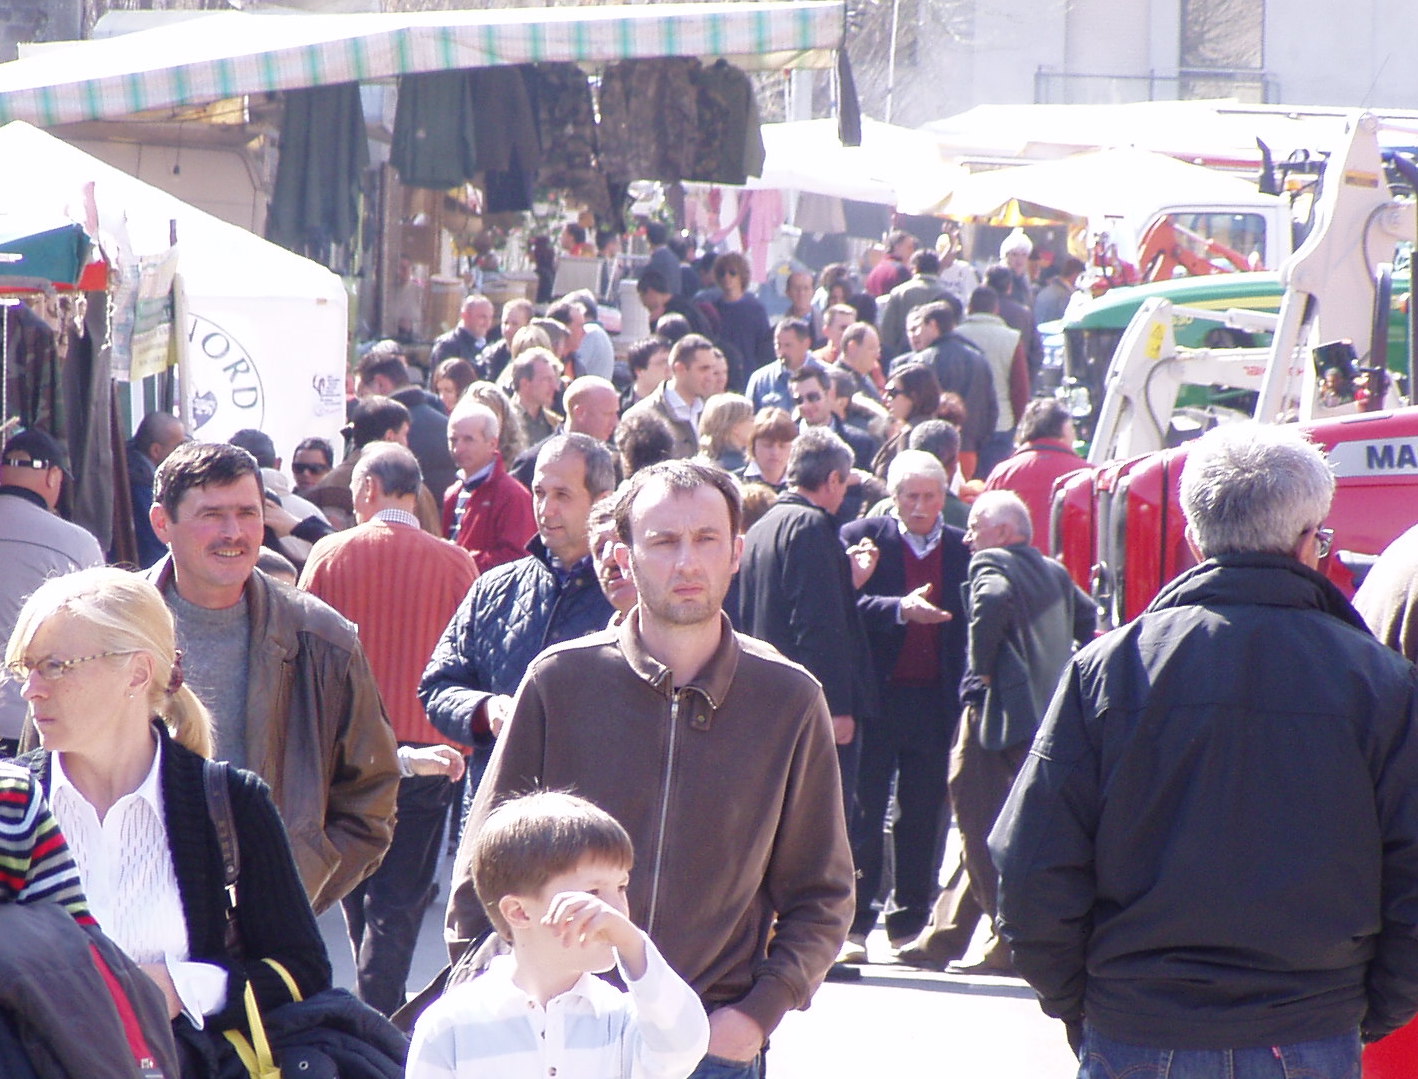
(35, 543)
(1210, 857)
(815, 400)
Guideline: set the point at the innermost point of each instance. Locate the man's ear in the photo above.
(738, 552)
(1193, 546)
(162, 525)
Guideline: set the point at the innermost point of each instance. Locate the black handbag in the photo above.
(330, 1035)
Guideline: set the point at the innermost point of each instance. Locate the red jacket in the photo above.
(1030, 473)
(498, 521)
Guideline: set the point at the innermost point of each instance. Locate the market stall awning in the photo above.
(1091, 184)
(227, 54)
(55, 257)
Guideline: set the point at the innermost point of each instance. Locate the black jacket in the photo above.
(795, 592)
(428, 437)
(273, 912)
(1214, 841)
(511, 613)
(879, 602)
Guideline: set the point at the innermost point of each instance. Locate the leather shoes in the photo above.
(854, 949)
(997, 968)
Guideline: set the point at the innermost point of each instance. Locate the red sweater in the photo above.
(498, 521)
(400, 587)
(919, 661)
(1030, 473)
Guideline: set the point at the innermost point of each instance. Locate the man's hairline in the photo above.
(676, 491)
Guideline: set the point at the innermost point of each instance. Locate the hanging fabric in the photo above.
(324, 152)
(728, 145)
(508, 149)
(649, 119)
(434, 144)
(566, 125)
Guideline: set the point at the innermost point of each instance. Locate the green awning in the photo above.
(228, 54)
(54, 256)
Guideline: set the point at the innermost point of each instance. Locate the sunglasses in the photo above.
(892, 391)
(299, 467)
(810, 398)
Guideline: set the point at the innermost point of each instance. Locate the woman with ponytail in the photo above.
(123, 745)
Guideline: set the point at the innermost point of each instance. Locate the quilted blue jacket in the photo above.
(511, 613)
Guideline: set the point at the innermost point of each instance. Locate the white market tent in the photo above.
(228, 54)
(266, 328)
(1221, 133)
(894, 166)
(1126, 184)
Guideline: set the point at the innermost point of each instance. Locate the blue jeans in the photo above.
(1326, 1058)
(712, 1067)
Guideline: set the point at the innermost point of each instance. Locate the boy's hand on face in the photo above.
(579, 918)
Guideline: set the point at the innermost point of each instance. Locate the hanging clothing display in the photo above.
(728, 147)
(508, 149)
(434, 144)
(566, 124)
(765, 220)
(649, 119)
(323, 154)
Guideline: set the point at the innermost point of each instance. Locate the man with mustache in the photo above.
(282, 673)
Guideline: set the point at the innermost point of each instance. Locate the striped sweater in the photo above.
(400, 587)
(35, 865)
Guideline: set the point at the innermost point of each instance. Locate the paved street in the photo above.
(895, 1022)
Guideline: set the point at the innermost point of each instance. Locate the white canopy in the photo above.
(266, 329)
(894, 166)
(1105, 183)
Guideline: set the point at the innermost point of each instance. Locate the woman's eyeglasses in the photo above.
(51, 669)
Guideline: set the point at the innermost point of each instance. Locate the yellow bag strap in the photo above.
(255, 1054)
(285, 976)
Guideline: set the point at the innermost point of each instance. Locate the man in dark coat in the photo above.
(1211, 855)
(1026, 615)
(382, 371)
(915, 621)
(796, 591)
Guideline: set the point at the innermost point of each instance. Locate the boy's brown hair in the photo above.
(526, 841)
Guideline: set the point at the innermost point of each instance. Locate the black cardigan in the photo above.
(273, 912)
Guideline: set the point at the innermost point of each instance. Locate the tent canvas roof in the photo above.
(894, 166)
(1098, 184)
(227, 54)
(217, 258)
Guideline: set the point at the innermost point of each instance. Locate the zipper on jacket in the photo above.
(664, 811)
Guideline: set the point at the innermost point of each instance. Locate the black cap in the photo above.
(34, 448)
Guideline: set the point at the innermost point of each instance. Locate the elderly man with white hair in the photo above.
(1211, 856)
(913, 612)
(486, 511)
(1026, 615)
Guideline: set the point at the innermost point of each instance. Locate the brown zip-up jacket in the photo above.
(729, 788)
(317, 733)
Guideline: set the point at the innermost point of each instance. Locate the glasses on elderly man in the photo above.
(51, 669)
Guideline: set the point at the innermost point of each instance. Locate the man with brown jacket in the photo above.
(723, 770)
(282, 673)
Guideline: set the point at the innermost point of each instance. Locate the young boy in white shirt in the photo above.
(552, 870)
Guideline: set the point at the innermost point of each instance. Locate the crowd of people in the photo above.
(766, 598)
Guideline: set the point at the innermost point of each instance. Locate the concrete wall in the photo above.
(974, 52)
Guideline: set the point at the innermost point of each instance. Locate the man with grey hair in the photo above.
(467, 339)
(1025, 615)
(519, 608)
(1211, 855)
(399, 586)
(915, 623)
(797, 592)
(486, 511)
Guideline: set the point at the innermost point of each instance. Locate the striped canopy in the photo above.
(232, 53)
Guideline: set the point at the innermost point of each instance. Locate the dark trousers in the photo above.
(911, 741)
(383, 914)
(980, 780)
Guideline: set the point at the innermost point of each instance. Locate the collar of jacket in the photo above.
(1272, 580)
(274, 634)
(793, 497)
(711, 684)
